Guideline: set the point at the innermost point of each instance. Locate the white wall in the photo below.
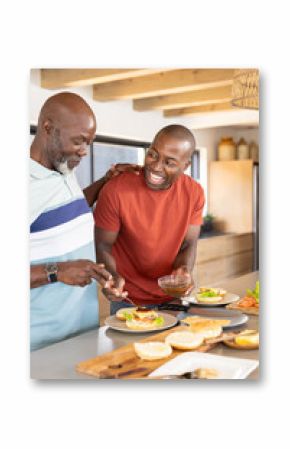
(209, 138)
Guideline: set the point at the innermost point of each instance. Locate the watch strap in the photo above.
(52, 277)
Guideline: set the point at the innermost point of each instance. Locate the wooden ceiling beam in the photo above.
(199, 109)
(58, 78)
(163, 83)
(186, 99)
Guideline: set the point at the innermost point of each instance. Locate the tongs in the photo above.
(165, 306)
(176, 307)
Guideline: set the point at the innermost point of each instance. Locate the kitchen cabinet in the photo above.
(233, 196)
(223, 257)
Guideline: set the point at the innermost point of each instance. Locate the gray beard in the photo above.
(63, 168)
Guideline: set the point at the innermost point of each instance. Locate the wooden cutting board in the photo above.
(123, 363)
(247, 310)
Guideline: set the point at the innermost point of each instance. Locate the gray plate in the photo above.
(237, 318)
(118, 325)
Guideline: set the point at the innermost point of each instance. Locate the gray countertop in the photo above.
(58, 361)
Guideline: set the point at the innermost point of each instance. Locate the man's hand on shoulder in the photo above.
(81, 272)
(117, 169)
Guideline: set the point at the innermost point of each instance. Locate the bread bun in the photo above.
(120, 314)
(211, 332)
(201, 322)
(153, 350)
(206, 373)
(184, 340)
(248, 338)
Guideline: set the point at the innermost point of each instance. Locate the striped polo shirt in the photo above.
(61, 229)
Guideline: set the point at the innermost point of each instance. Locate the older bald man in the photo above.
(63, 269)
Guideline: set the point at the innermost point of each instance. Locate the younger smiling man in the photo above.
(147, 226)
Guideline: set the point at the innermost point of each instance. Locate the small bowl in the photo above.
(176, 286)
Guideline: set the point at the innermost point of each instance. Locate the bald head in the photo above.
(65, 106)
(66, 126)
(178, 132)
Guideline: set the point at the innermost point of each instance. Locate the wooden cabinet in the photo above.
(223, 257)
(231, 196)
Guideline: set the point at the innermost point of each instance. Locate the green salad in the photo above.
(255, 293)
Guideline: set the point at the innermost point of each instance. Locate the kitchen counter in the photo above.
(58, 361)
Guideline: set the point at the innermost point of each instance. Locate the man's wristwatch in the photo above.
(51, 271)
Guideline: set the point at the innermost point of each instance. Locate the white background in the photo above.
(130, 33)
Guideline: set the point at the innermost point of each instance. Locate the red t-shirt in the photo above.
(151, 226)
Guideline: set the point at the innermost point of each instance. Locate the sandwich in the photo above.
(153, 350)
(185, 340)
(144, 319)
(124, 314)
(205, 327)
(210, 295)
(135, 312)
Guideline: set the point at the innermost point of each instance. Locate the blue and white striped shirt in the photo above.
(61, 229)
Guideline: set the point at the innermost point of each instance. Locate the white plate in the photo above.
(118, 325)
(228, 367)
(227, 299)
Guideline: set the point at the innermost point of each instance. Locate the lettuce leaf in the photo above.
(208, 294)
(159, 321)
(128, 316)
(255, 293)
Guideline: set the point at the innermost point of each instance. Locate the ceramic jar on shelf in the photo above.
(226, 149)
(243, 151)
(254, 151)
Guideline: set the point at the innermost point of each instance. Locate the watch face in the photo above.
(51, 268)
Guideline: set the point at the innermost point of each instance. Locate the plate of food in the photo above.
(207, 327)
(211, 297)
(221, 367)
(247, 339)
(140, 320)
(235, 318)
(250, 303)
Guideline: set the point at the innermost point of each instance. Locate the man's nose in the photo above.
(83, 151)
(158, 166)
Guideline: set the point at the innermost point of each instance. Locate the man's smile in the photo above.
(153, 178)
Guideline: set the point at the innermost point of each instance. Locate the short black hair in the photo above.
(179, 132)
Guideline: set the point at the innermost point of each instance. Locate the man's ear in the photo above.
(47, 126)
(187, 165)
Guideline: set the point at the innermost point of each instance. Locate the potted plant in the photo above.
(207, 225)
